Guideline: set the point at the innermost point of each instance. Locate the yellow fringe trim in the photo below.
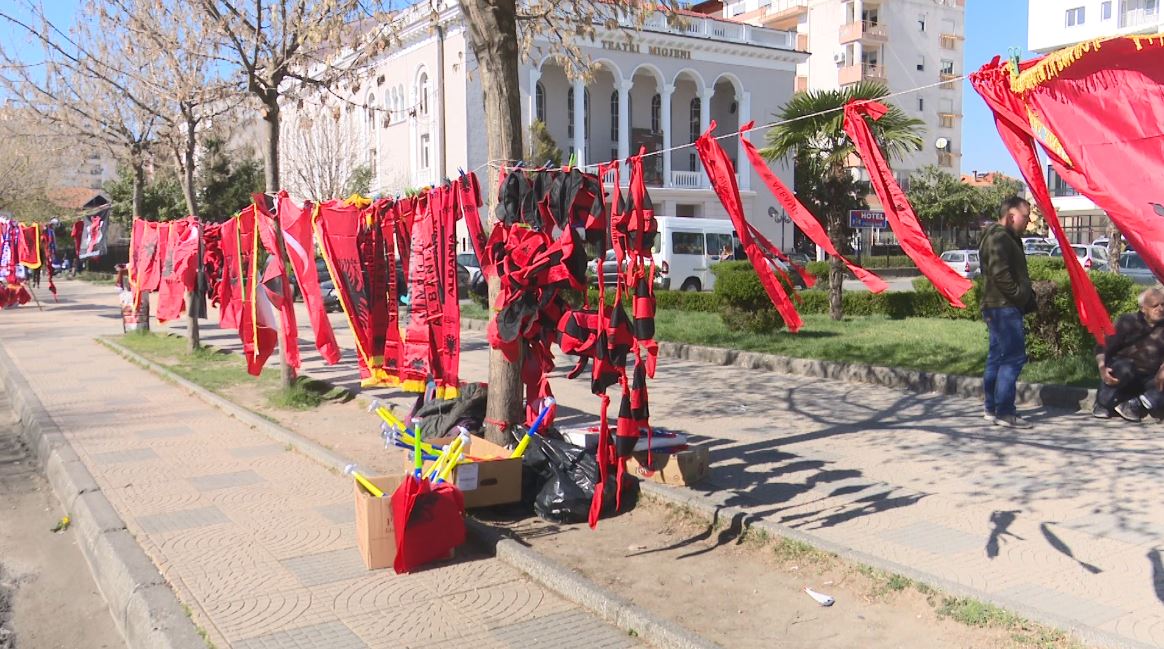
(1054, 63)
(1046, 136)
(416, 386)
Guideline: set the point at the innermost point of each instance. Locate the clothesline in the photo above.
(500, 163)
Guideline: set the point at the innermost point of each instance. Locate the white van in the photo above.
(686, 248)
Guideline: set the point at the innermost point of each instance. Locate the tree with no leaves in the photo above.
(500, 33)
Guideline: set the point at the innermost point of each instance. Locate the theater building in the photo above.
(419, 116)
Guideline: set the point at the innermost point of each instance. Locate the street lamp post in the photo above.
(781, 218)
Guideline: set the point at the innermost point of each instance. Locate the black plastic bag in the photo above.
(568, 476)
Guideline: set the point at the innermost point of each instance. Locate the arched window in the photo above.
(695, 115)
(586, 114)
(370, 115)
(422, 93)
(570, 110)
(540, 102)
(614, 116)
(656, 113)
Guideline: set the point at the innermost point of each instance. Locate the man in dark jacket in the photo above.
(1006, 296)
(1131, 364)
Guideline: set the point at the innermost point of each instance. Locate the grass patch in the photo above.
(929, 344)
(972, 612)
(474, 311)
(221, 372)
(884, 582)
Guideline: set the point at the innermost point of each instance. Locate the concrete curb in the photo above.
(970, 387)
(570, 585)
(702, 506)
(144, 608)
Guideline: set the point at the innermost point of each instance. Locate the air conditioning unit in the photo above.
(839, 58)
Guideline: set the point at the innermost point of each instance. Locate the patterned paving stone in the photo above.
(930, 537)
(332, 635)
(315, 569)
(225, 480)
(1087, 611)
(167, 431)
(118, 457)
(262, 450)
(565, 630)
(338, 513)
(181, 520)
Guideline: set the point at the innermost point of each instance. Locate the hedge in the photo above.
(743, 302)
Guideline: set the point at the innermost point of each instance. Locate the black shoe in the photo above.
(1102, 412)
(1131, 410)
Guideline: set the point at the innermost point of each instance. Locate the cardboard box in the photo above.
(375, 533)
(485, 483)
(684, 468)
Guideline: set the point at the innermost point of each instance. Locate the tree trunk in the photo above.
(138, 189)
(493, 36)
(271, 177)
(836, 267)
(194, 339)
(1115, 246)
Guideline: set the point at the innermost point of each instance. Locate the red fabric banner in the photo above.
(229, 289)
(898, 211)
(152, 252)
(723, 179)
(30, 256)
(1010, 117)
(178, 275)
(804, 219)
(299, 237)
(258, 324)
(275, 283)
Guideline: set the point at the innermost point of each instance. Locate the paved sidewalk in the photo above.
(257, 540)
(1064, 521)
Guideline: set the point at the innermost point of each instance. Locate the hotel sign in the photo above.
(652, 50)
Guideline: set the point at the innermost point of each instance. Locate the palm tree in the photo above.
(811, 132)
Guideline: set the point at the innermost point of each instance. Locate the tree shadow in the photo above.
(1065, 549)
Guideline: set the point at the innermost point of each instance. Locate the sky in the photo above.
(992, 28)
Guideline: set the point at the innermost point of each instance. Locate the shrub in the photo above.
(706, 302)
(743, 302)
(819, 270)
(1054, 327)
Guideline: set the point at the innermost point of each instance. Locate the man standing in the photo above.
(1006, 296)
(1131, 364)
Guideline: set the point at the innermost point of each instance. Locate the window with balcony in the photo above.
(947, 66)
(656, 114)
(1074, 16)
(1105, 11)
(614, 119)
(1057, 185)
(425, 151)
(423, 94)
(945, 120)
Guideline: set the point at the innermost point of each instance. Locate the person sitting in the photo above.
(727, 253)
(1131, 363)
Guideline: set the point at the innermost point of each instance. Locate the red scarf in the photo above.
(723, 179)
(897, 208)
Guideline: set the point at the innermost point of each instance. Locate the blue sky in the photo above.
(992, 27)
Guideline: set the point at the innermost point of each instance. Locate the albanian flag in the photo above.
(276, 285)
(179, 268)
(299, 238)
(258, 324)
(1097, 109)
(228, 289)
(29, 248)
(93, 235)
(898, 211)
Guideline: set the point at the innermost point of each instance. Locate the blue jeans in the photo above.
(1005, 359)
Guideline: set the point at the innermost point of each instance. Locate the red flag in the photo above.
(258, 325)
(897, 208)
(78, 229)
(993, 83)
(300, 241)
(154, 239)
(276, 285)
(802, 217)
(723, 179)
(229, 289)
(30, 246)
(178, 274)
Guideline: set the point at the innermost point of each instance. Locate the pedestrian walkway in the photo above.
(1064, 521)
(257, 540)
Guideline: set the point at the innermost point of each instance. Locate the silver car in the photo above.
(964, 262)
(1132, 265)
(1091, 257)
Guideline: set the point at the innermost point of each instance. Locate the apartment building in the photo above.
(1055, 24)
(905, 44)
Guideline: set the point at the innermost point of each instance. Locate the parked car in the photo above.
(1092, 257)
(964, 262)
(1103, 242)
(609, 270)
(799, 258)
(1038, 249)
(1132, 265)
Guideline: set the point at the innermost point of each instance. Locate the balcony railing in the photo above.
(783, 14)
(945, 159)
(856, 73)
(863, 30)
(723, 30)
(1140, 13)
(949, 41)
(679, 180)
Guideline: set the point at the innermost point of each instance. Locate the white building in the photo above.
(659, 88)
(904, 44)
(1055, 24)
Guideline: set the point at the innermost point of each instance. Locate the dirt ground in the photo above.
(740, 593)
(48, 598)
